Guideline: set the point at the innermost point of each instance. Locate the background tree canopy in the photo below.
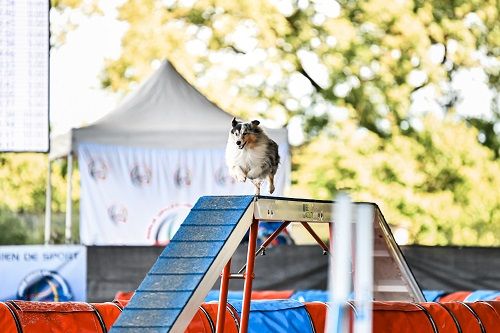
(367, 89)
(369, 82)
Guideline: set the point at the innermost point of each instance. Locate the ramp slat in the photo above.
(188, 267)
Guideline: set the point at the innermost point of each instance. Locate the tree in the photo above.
(321, 62)
(440, 186)
(23, 179)
(369, 57)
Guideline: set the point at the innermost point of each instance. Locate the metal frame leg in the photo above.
(224, 287)
(262, 248)
(316, 237)
(247, 291)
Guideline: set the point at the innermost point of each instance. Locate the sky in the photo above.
(77, 98)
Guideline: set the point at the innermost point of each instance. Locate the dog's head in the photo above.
(244, 134)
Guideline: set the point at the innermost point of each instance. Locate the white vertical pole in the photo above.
(363, 279)
(48, 203)
(340, 266)
(69, 179)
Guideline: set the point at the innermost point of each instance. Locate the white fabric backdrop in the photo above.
(139, 196)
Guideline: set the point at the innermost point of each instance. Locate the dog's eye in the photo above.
(244, 134)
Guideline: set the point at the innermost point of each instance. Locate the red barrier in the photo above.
(317, 311)
(8, 320)
(272, 294)
(123, 297)
(444, 321)
(64, 317)
(108, 311)
(488, 315)
(231, 322)
(456, 296)
(201, 323)
(494, 304)
(400, 317)
(464, 316)
(451, 317)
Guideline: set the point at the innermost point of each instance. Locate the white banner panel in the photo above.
(43, 272)
(24, 75)
(139, 196)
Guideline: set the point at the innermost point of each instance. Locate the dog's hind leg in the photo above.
(257, 183)
(271, 183)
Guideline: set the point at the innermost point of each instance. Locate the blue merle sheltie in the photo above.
(251, 154)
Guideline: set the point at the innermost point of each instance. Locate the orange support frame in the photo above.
(224, 287)
(249, 275)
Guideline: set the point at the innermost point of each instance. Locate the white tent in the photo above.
(165, 120)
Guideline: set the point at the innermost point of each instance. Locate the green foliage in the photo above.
(440, 185)
(437, 182)
(12, 230)
(371, 49)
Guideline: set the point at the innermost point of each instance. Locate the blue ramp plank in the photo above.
(178, 282)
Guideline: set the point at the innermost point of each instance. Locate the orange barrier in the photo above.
(201, 323)
(443, 319)
(456, 296)
(401, 317)
(108, 311)
(272, 294)
(467, 320)
(450, 317)
(8, 320)
(64, 317)
(487, 315)
(317, 311)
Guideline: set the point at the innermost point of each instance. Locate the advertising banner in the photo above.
(43, 272)
(140, 196)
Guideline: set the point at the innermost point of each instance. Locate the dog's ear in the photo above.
(234, 122)
(255, 123)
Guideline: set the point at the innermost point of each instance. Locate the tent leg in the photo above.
(48, 202)
(69, 202)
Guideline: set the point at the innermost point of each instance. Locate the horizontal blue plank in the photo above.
(169, 282)
(181, 265)
(223, 202)
(217, 217)
(147, 318)
(141, 330)
(192, 249)
(155, 300)
(205, 233)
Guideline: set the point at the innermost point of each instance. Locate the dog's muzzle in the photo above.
(242, 146)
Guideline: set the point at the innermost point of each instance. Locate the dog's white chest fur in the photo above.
(246, 159)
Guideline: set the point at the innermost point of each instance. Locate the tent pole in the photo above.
(69, 202)
(48, 202)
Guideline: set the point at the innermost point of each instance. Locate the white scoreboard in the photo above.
(24, 75)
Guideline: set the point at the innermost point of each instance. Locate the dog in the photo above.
(251, 154)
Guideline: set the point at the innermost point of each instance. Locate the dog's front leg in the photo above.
(256, 172)
(238, 174)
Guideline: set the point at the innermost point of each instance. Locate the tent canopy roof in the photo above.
(165, 112)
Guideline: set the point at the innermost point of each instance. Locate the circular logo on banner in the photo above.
(182, 177)
(98, 169)
(222, 176)
(167, 222)
(44, 285)
(118, 213)
(140, 175)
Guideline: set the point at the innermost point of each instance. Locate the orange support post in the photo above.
(224, 286)
(247, 292)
